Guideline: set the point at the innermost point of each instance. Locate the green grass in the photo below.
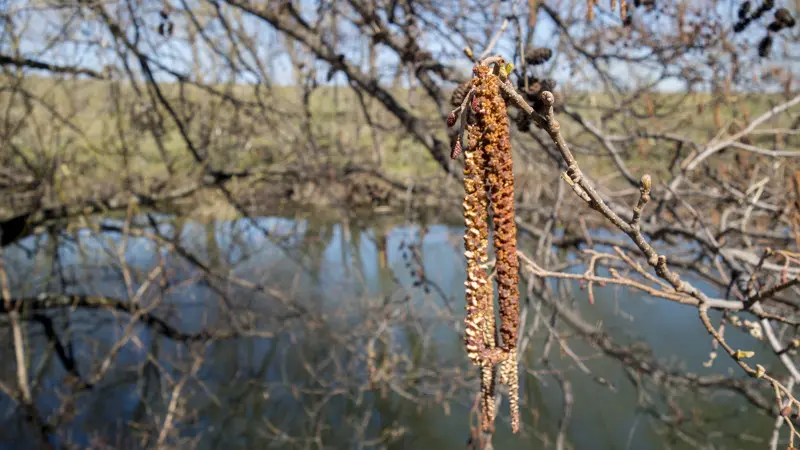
(91, 124)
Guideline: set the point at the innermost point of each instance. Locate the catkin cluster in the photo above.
(782, 20)
(489, 182)
(491, 133)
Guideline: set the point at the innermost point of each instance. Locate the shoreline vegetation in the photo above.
(109, 148)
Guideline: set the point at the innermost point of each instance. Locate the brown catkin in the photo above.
(538, 55)
(497, 145)
(488, 175)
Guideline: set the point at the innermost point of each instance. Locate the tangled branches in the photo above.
(489, 178)
(672, 286)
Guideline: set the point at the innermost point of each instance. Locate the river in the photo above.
(281, 390)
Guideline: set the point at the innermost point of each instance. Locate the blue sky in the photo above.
(35, 25)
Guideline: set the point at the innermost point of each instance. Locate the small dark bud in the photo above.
(451, 119)
(475, 105)
(741, 25)
(775, 26)
(783, 16)
(744, 8)
(765, 46)
(766, 6)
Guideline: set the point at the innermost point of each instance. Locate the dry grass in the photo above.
(99, 130)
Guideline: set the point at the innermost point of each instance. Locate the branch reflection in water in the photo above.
(345, 332)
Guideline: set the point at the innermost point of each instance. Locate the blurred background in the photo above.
(235, 224)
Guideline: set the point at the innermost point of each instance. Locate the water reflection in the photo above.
(307, 383)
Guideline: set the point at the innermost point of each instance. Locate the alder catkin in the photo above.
(488, 174)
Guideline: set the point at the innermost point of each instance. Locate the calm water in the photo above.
(305, 380)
